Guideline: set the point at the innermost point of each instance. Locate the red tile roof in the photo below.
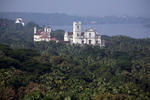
(38, 32)
(44, 36)
(53, 39)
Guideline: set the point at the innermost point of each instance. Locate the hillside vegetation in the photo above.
(65, 19)
(20, 36)
(57, 71)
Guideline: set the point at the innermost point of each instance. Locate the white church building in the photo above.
(19, 21)
(42, 34)
(90, 36)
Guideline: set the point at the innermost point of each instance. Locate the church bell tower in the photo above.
(76, 31)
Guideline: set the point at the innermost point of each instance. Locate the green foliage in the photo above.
(57, 71)
(59, 34)
(33, 96)
(18, 36)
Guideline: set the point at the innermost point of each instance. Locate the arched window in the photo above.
(89, 34)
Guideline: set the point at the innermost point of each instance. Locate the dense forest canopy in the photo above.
(57, 71)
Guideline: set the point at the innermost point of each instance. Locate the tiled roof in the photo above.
(38, 32)
(44, 36)
(53, 39)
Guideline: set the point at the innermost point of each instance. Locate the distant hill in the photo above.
(64, 19)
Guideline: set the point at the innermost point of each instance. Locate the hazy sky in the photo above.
(80, 7)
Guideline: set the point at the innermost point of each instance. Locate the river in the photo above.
(132, 30)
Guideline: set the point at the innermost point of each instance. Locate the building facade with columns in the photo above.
(90, 36)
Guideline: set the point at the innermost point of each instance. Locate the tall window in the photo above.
(96, 42)
(78, 27)
(90, 41)
(89, 34)
(82, 41)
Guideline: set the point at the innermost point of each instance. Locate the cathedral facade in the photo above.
(90, 36)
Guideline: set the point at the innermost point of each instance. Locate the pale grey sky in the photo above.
(80, 7)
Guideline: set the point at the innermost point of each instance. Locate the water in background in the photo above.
(132, 30)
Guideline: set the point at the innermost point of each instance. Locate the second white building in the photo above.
(90, 36)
